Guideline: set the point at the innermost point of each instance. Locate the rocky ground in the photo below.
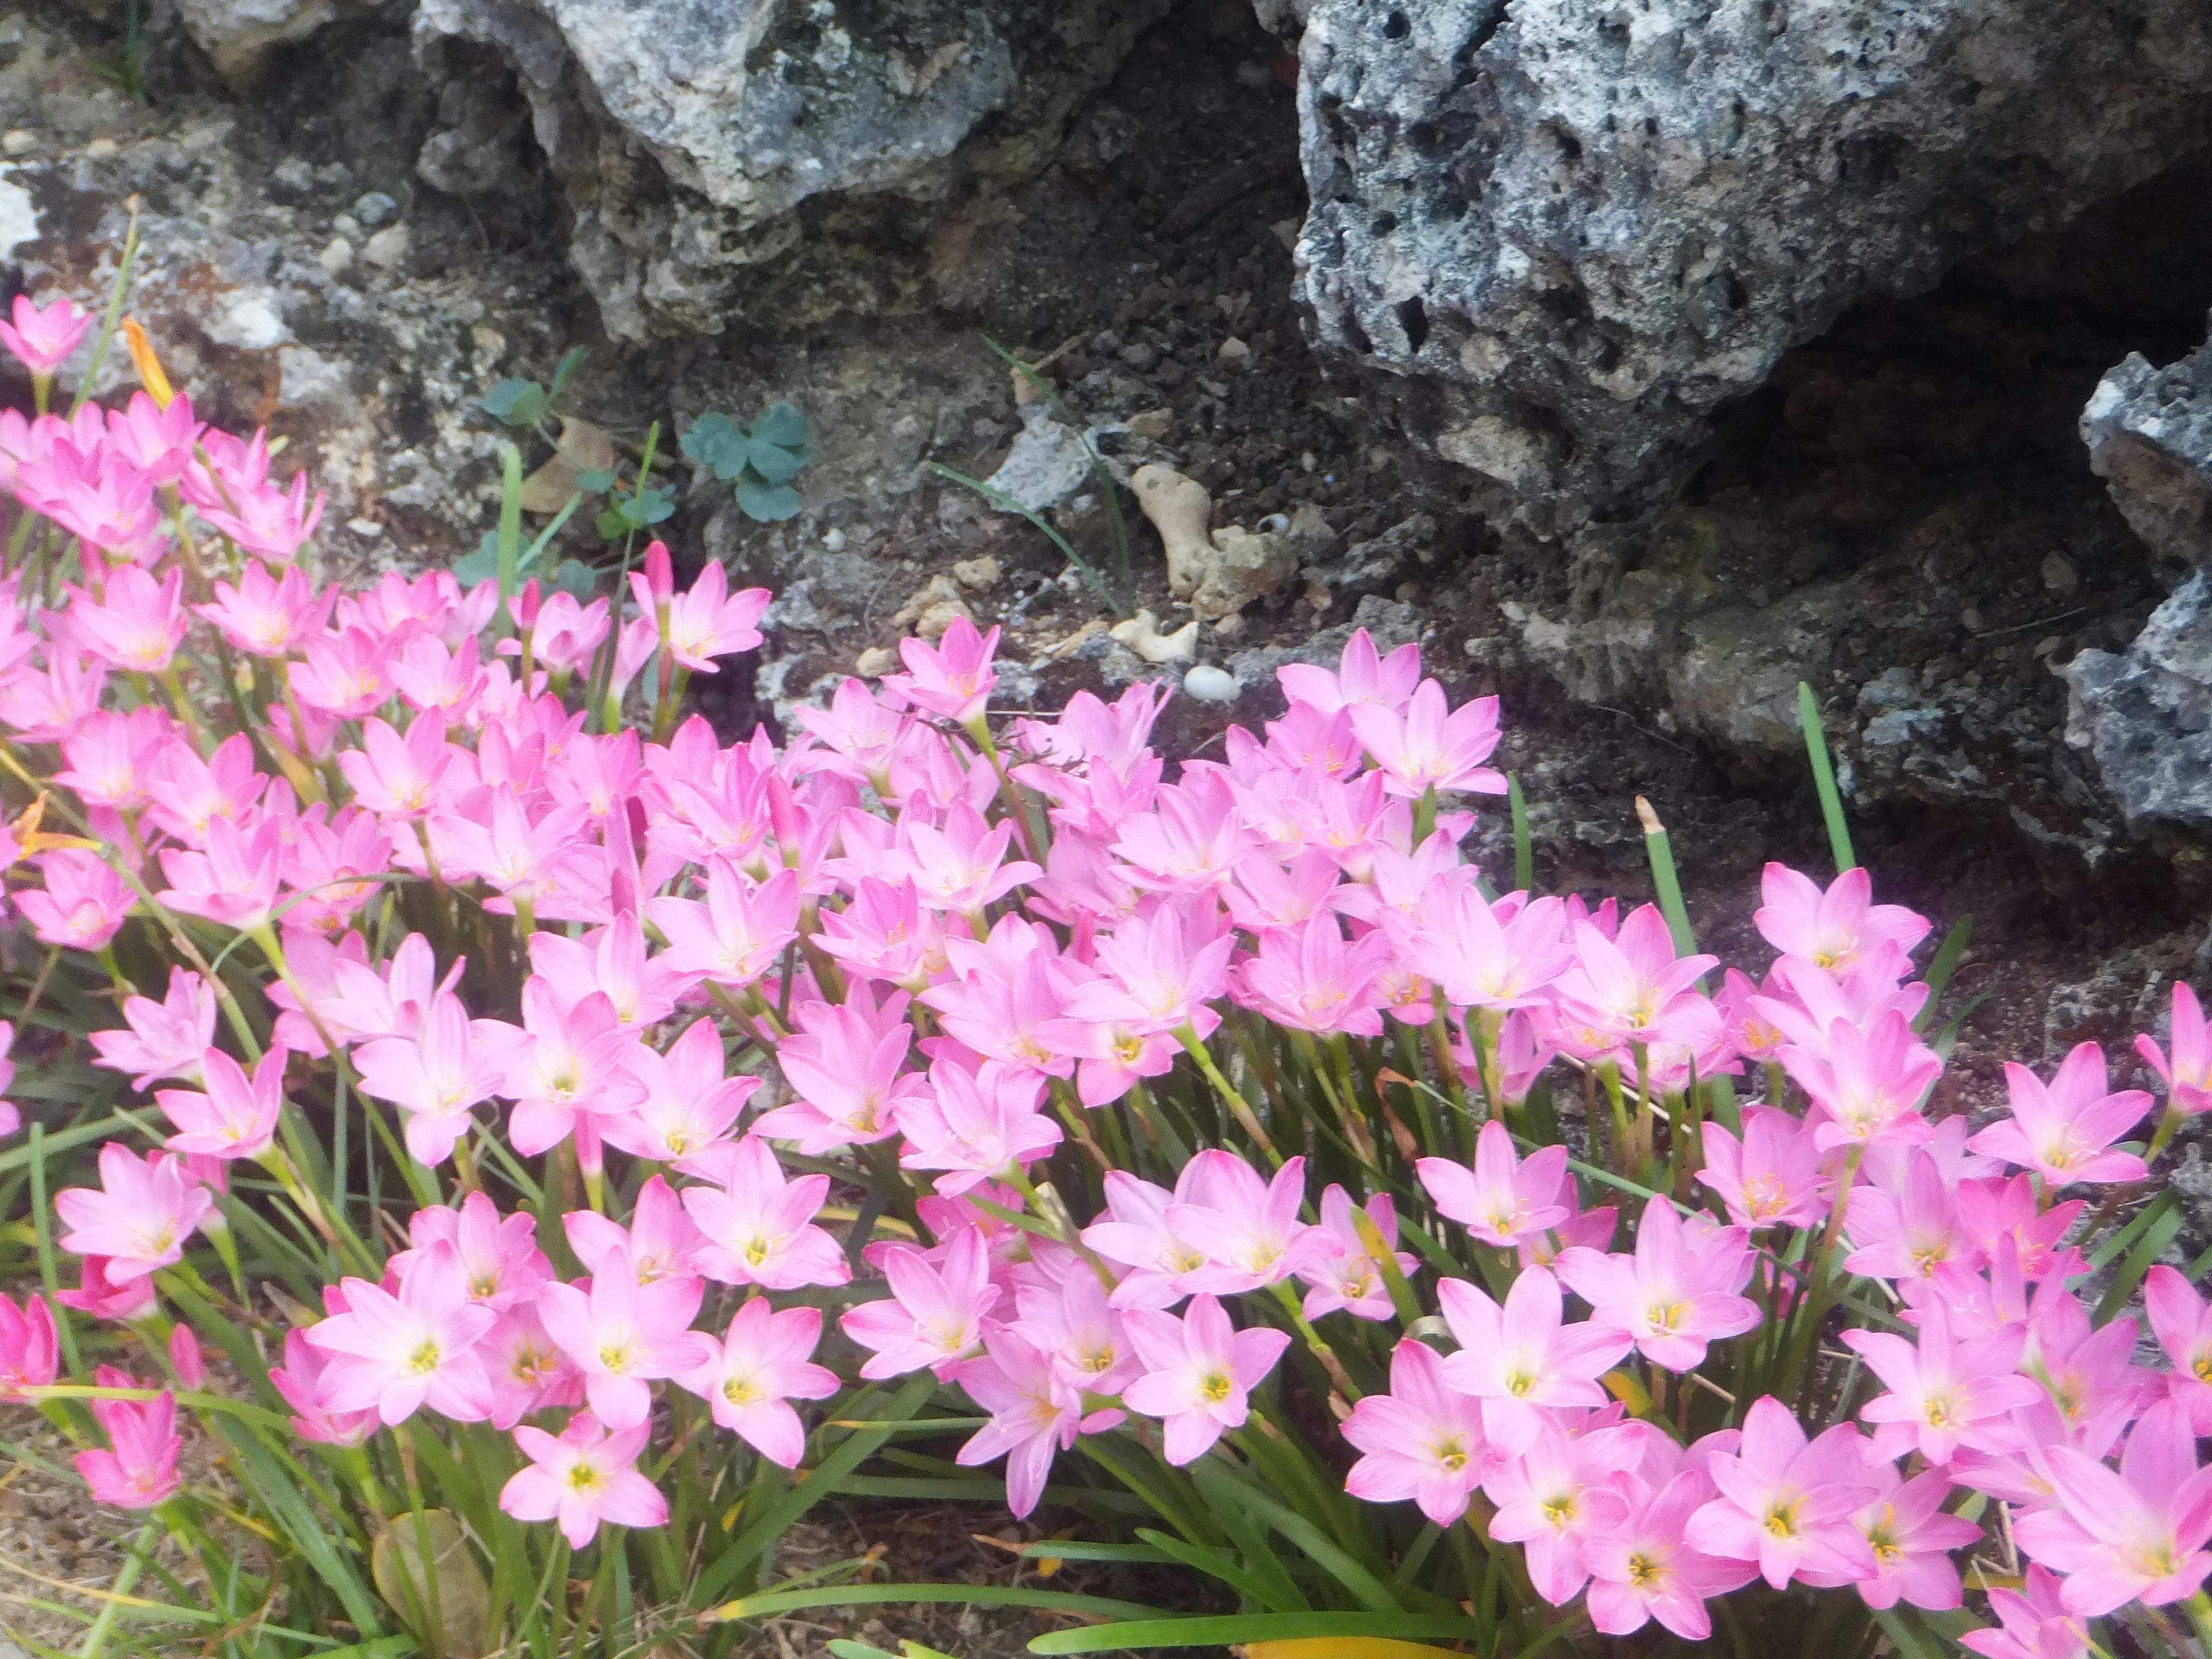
(1903, 513)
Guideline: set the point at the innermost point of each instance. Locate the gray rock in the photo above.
(689, 133)
(2149, 433)
(2145, 717)
(1047, 463)
(1390, 624)
(1579, 228)
(238, 35)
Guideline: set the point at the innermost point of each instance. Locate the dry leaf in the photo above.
(583, 449)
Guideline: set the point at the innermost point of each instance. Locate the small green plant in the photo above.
(761, 463)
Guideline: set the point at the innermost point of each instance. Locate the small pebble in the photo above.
(833, 540)
(101, 148)
(876, 661)
(2059, 574)
(337, 255)
(18, 141)
(1155, 424)
(374, 207)
(1139, 355)
(1211, 685)
(346, 225)
(1233, 350)
(365, 527)
(387, 248)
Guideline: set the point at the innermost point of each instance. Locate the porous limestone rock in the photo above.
(2145, 716)
(238, 35)
(1579, 228)
(2149, 433)
(698, 140)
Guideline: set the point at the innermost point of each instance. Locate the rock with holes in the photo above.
(1576, 228)
(2145, 716)
(703, 143)
(2149, 433)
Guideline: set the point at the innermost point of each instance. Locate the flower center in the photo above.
(424, 1359)
(617, 1356)
(1215, 1387)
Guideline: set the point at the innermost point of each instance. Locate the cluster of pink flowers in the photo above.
(906, 963)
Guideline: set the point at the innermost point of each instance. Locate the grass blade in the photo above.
(1824, 779)
(1244, 1628)
(1524, 845)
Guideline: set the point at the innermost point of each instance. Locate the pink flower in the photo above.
(1945, 1392)
(233, 882)
(29, 1357)
(572, 1068)
(1870, 1084)
(1160, 967)
(1505, 1201)
(2031, 1625)
(758, 1227)
(1837, 929)
(974, 1124)
(1912, 1538)
(2063, 1130)
(1490, 956)
(236, 1117)
(141, 1216)
(934, 1315)
(1072, 1324)
(2188, 1077)
(1035, 1413)
(397, 776)
(1423, 1440)
(84, 904)
(582, 1476)
(266, 616)
(1249, 1230)
(399, 1354)
(500, 1259)
(260, 517)
(138, 623)
(1677, 1293)
(1520, 1357)
(2138, 1534)
(2183, 1325)
(43, 336)
(100, 1295)
(163, 1039)
(1557, 1497)
(1772, 1177)
(1431, 745)
(1633, 988)
(1352, 1278)
(658, 1244)
(737, 935)
(300, 1380)
(708, 621)
(140, 1473)
(1198, 1373)
(1308, 978)
(688, 1106)
(1786, 1504)
(1909, 1235)
(436, 1076)
(845, 1066)
(621, 1335)
(1644, 1568)
(952, 679)
(760, 1367)
(1362, 676)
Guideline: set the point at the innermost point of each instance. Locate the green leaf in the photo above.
(480, 566)
(517, 402)
(1241, 1628)
(571, 361)
(782, 425)
(874, 1595)
(1824, 779)
(717, 443)
(773, 463)
(767, 503)
(597, 481)
(575, 578)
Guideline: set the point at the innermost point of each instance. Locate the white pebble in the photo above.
(1211, 685)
